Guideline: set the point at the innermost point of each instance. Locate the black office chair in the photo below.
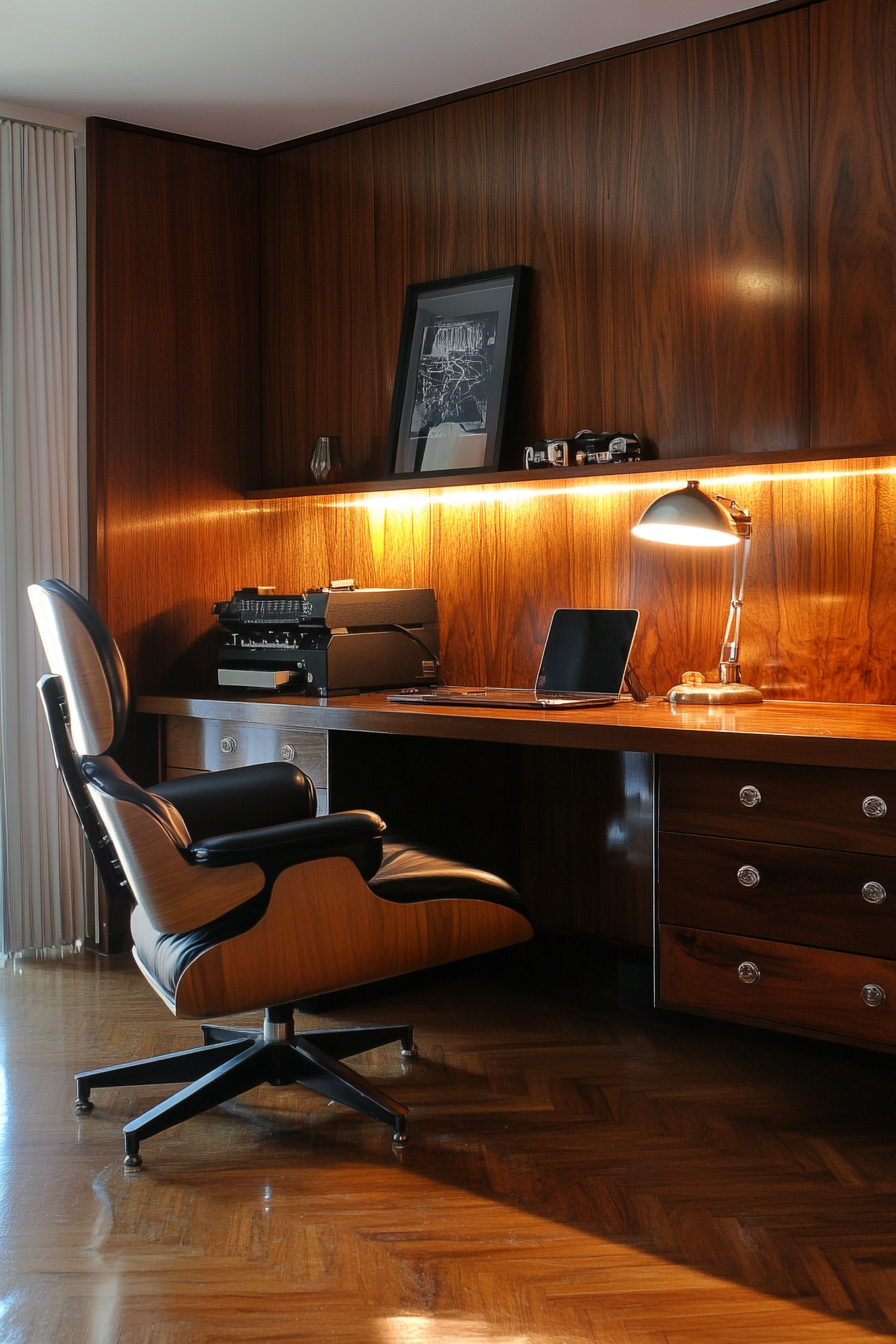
(271, 906)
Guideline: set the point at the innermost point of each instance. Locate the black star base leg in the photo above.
(235, 1060)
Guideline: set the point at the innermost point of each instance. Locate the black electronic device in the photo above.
(329, 641)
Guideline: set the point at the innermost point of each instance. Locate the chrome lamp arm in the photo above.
(729, 667)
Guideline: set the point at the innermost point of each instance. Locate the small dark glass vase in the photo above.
(326, 459)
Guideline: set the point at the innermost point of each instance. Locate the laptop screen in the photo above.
(587, 651)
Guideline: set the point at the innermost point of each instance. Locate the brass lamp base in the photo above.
(715, 693)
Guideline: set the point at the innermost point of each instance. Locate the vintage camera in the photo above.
(547, 453)
(587, 449)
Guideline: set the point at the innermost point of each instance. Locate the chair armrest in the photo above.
(241, 799)
(352, 835)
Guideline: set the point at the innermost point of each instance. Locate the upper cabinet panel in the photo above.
(662, 200)
(663, 206)
(853, 224)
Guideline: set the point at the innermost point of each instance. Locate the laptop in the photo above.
(583, 664)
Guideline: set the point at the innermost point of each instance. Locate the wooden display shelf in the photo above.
(655, 466)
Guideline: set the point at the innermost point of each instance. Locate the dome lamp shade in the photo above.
(687, 517)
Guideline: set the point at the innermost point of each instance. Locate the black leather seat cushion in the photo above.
(407, 874)
(410, 873)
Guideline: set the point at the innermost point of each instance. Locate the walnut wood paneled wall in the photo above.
(173, 402)
(820, 621)
(711, 226)
(661, 199)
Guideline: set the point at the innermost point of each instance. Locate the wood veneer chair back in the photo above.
(80, 650)
(150, 840)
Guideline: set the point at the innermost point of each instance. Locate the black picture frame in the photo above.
(458, 376)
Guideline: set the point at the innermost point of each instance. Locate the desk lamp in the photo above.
(689, 517)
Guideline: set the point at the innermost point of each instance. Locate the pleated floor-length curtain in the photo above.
(41, 858)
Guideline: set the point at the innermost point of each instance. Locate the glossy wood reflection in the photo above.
(573, 1175)
(665, 201)
(661, 199)
(853, 225)
(174, 385)
(818, 622)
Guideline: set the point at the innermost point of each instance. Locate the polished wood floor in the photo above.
(573, 1175)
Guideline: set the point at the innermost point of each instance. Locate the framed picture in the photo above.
(456, 386)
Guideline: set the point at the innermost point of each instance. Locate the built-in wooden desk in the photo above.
(755, 848)
(789, 731)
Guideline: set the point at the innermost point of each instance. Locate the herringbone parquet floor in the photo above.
(572, 1176)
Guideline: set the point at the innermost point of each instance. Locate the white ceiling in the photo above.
(257, 72)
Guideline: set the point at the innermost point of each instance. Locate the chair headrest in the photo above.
(80, 649)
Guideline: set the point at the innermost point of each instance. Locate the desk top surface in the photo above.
(796, 732)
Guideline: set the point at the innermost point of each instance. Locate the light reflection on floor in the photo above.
(277, 1219)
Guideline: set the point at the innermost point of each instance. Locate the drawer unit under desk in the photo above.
(217, 744)
(823, 898)
(784, 804)
(776, 896)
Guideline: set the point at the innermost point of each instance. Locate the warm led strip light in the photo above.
(462, 497)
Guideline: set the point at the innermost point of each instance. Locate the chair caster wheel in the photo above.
(133, 1161)
(409, 1054)
(83, 1107)
(399, 1138)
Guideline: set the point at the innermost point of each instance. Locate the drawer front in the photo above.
(784, 804)
(796, 986)
(826, 898)
(216, 744)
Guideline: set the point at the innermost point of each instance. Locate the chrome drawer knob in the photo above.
(874, 807)
(873, 995)
(750, 795)
(874, 893)
(749, 972)
(748, 876)
(287, 752)
(228, 745)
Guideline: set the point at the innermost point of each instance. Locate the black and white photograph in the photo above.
(455, 371)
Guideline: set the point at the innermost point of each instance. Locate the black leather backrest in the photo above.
(107, 776)
(81, 650)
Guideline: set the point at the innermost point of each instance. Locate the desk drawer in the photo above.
(216, 744)
(784, 804)
(796, 986)
(826, 898)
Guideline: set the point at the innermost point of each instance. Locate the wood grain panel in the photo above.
(853, 223)
(811, 896)
(798, 986)
(174, 394)
(663, 207)
(319, 318)
(819, 623)
(587, 842)
(660, 198)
